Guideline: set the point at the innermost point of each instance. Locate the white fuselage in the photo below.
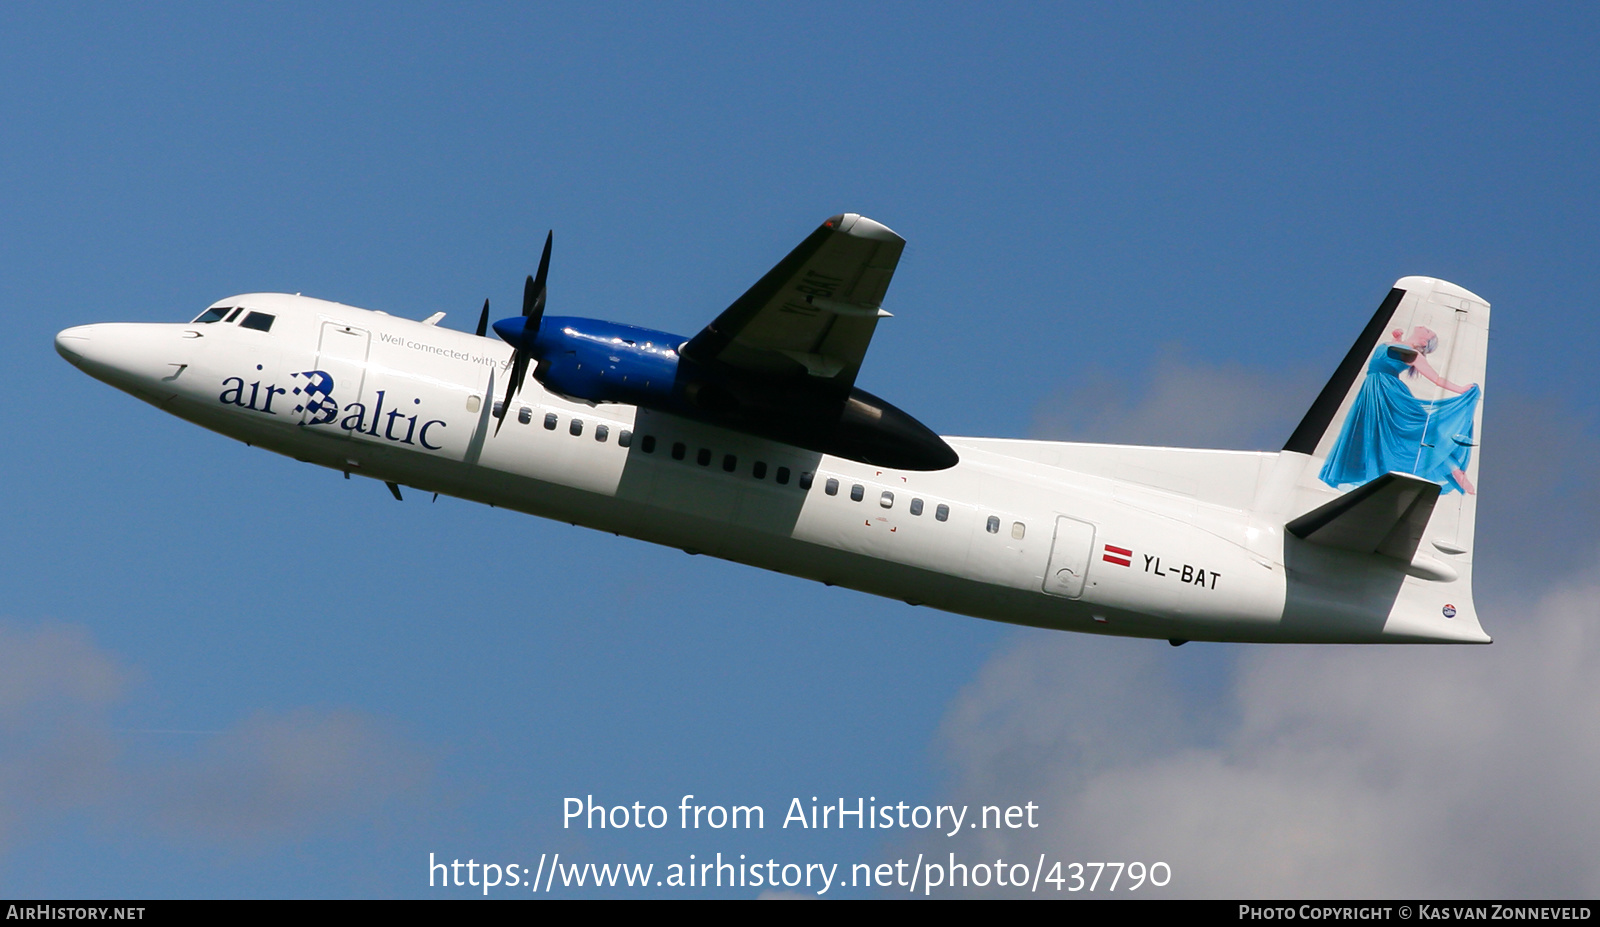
(1016, 532)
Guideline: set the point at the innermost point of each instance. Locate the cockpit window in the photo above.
(260, 321)
(214, 314)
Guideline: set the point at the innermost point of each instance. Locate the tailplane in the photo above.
(1387, 516)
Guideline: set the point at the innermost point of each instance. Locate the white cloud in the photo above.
(1351, 771)
(282, 774)
(268, 777)
(55, 667)
(56, 750)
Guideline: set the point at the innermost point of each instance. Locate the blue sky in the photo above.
(225, 673)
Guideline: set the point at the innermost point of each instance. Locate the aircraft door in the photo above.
(1069, 557)
(342, 361)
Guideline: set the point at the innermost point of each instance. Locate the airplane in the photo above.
(750, 442)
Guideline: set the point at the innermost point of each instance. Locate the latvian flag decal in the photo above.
(1117, 555)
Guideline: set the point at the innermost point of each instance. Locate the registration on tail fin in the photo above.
(1386, 460)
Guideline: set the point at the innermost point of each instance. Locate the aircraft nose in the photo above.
(73, 343)
(138, 357)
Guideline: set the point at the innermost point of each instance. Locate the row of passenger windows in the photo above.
(758, 469)
(602, 432)
(730, 463)
(858, 492)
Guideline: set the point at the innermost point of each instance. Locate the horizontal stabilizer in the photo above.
(1386, 516)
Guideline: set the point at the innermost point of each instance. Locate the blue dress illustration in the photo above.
(1390, 429)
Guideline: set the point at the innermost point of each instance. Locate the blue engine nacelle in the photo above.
(598, 361)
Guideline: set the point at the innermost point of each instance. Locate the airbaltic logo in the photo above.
(320, 408)
(318, 393)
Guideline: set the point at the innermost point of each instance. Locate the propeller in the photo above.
(483, 320)
(533, 298)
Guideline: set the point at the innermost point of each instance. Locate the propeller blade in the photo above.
(519, 370)
(483, 320)
(533, 292)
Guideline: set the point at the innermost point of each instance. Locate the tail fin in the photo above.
(1407, 399)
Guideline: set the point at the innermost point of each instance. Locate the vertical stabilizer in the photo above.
(1407, 399)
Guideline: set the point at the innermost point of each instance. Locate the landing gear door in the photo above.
(1069, 557)
(337, 381)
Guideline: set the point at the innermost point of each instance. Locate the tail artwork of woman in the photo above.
(1390, 429)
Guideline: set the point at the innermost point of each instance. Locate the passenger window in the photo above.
(624, 438)
(831, 487)
(576, 428)
(942, 513)
(783, 476)
(677, 450)
(499, 409)
(856, 492)
(704, 457)
(916, 506)
(759, 470)
(525, 415)
(601, 432)
(993, 525)
(805, 480)
(648, 445)
(1018, 529)
(887, 499)
(259, 321)
(549, 421)
(730, 463)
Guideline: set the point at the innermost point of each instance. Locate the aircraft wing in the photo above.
(814, 313)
